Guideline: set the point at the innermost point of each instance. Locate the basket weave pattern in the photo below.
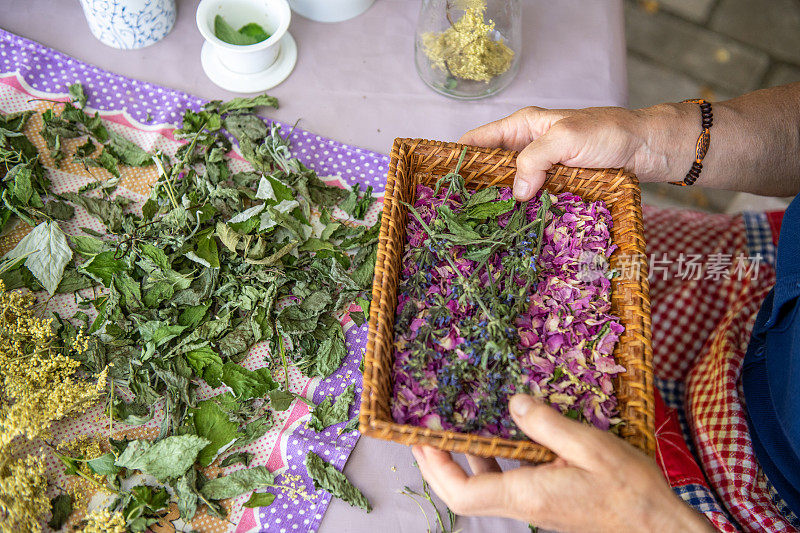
(417, 161)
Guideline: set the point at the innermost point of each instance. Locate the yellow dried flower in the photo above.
(81, 342)
(294, 487)
(466, 49)
(23, 494)
(38, 386)
(104, 521)
(467, 4)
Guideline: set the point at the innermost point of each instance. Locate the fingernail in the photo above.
(522, 188)
(520, 404)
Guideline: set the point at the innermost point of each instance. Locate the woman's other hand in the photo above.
(598, 482)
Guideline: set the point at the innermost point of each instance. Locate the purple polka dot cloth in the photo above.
(30, 69)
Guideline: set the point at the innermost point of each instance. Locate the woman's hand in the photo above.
(755, 142)
(598, 137)
(598, 482)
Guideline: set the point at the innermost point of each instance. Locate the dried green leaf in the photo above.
(260, 499)
(103, 267)
(489, 209)
(242, 103)
(46, 253)
(77, 94)
(127, 152)
(330, 354)
(326, 477)
(247, 384)
(61, 508)
(170, 457)
(212, 423)
(328, 413)
(104, 465)
(108, 212)
(238, 483)
(186, 491)
(207, 364)
(59, 210)
(237, 458)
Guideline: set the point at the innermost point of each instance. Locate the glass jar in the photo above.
(468, 49)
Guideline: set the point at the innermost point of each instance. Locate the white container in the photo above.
(129, 24)
(330, 10)
(254, 67)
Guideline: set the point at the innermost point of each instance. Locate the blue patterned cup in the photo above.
(129, 24)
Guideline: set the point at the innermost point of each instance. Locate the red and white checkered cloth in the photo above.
(701, 328)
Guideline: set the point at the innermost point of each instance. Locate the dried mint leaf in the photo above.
(242, 104)
(260, 499)
(238, 483)
(104, 465)
(213, 424)
(61, 508)
(208, 365)
(186, 491)
(256, 428)
(77, 94)
(236, 458)
(109, 212)
(328, 413)
(326, 477)
(46, 254)
(168, 458)
(247, 384)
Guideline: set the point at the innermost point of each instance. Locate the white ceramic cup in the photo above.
(330, 10)
(272, 15)
(129, 24)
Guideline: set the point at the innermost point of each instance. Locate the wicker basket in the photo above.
(415, 161)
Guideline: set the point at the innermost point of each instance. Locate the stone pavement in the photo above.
(713, 49)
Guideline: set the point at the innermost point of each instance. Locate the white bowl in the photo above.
(272, 15)
(330, 10)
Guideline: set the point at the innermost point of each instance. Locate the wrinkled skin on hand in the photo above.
(597, 483)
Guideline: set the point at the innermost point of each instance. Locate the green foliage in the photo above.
(61, 508)
(168, 458)
(238, 483)
(23, 182)
(46, 253)
(251, 33)
(212, 423)
(216, 262)
(326, 477)
(328, 413)
(260, 499)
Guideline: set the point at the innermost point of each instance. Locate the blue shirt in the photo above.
(771, 371)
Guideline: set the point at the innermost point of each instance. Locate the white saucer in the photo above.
(250, 83)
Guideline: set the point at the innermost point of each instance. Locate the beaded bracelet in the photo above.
(703, 142)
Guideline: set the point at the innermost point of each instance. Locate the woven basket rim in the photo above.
(489, 167)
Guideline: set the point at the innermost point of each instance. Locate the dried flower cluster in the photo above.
(23, 493)
(39, 386)
(466, 49)
(104, 521)
(498, 298)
